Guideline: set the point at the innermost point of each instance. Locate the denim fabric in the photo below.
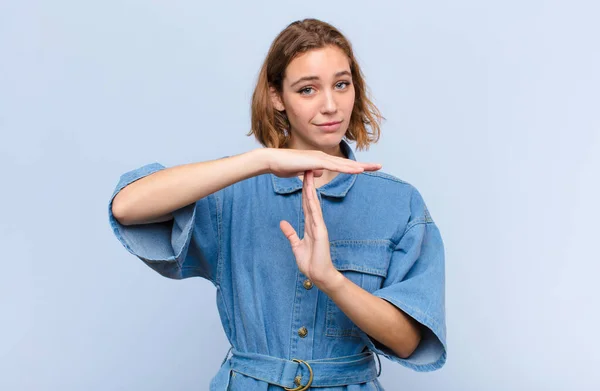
(382, 238)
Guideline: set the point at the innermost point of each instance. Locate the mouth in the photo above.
(330, 126)
(329, 123)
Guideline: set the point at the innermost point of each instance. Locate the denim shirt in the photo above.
(382, 238)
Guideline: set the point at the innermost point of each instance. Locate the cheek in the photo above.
(348, 101)
(300, 110)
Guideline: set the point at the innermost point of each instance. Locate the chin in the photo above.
(328, 141)
(323, 141)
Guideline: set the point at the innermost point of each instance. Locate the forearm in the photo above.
(155, 196)
(378, 318)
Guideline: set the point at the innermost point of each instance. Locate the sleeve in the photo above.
(415, 283)
(186, 246)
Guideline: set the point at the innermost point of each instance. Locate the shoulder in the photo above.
(379, 181)
(404, 195)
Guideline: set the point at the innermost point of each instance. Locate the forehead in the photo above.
(324, 62)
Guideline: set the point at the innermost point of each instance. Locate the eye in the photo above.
(342, 85)
(306, 90)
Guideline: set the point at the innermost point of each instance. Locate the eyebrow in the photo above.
(309, 78)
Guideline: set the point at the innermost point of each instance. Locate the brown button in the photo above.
(307, 284)
(302, 332)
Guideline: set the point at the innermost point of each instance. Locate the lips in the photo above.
(330, 123)
(330, 126)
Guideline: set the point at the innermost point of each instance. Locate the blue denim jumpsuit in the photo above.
(284, 332)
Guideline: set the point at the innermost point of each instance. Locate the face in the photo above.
(318, 98)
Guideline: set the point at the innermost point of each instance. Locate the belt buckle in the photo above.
(310, 379)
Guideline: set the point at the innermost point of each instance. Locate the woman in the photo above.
(319, 261)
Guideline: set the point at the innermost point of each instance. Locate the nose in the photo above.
(329, 104)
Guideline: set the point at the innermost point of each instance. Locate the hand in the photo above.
(312, 252)
(285, 163)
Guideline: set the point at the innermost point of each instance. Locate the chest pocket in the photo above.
(363, 262)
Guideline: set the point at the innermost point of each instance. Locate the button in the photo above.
(298, 380)
(302, 332)
(307, 284)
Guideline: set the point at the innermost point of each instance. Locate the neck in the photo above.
(335, 150)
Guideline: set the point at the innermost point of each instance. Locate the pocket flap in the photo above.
(369, 256)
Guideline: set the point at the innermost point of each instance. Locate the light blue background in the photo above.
(492, 113)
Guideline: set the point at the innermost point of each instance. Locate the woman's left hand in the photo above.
(312, 252)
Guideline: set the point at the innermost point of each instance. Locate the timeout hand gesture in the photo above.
(286, 162)
(312, 251)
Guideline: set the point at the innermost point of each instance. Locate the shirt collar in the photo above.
(337, 187)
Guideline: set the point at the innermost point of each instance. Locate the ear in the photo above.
(276, 100)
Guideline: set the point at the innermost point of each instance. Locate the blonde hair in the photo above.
(270, 126)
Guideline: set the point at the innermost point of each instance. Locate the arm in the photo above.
(154, 197)
(375, 316)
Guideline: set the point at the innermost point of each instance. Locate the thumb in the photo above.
(289, 232)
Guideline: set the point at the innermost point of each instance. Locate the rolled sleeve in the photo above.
(415, 283)
(183, 247)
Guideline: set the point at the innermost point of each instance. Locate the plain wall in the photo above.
(491, 112)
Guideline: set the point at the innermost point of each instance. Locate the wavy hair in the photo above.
(270, 126)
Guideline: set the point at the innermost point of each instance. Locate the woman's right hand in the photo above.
(287, 162)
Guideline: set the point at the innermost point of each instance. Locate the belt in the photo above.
(299, 375)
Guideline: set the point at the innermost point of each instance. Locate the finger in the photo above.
(366, 166)
(315, 204)
(348, 168)
(316, 172)
(314, 209)
(354, 166)
(289, 233)
(338, 164)
(309, 222)
(305, 200)
(371, 166)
